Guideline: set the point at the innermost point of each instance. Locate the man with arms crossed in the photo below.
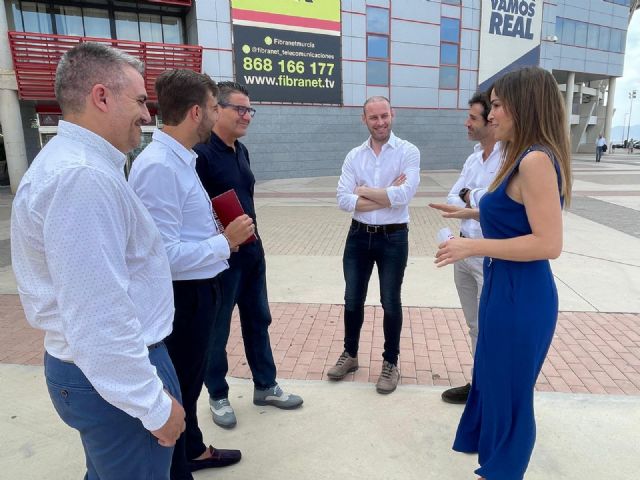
(223, 163)
(477, 174)
(93, 274)
(165, 179)
(379, 179)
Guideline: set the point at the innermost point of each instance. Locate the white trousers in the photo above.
(467, 274)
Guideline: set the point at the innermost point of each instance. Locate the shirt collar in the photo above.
(477, 148)
(392, 142)
(188, 156)
(98, 144)
(219, 145)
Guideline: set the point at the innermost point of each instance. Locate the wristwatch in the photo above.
(463, 193)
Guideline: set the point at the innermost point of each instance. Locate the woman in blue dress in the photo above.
(521, 219)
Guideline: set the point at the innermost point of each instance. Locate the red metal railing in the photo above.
(36, 56)
(181, 3)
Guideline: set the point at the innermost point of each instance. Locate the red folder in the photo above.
(227, 208)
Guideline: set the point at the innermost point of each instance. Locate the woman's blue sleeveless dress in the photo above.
(517, 317)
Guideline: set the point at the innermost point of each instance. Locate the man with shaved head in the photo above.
(379, 179)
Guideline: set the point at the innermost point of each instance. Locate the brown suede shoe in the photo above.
(388, 379)
(345, 364)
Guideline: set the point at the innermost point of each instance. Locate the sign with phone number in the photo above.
(288, 66)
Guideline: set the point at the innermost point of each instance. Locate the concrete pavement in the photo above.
(347, 430)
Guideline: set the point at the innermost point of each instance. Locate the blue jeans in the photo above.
(243, 284)
(116, 445)
(389, 252)
(598, 153)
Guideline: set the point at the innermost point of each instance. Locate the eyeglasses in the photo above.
(241, 109)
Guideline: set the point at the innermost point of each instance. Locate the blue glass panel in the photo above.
(568, 31)
(448, 54)
(96, 23)
(377, 20)
(377, 73)
(377, 47)
(172, 30)
(559, 24)
(449, 77)
(36, 18)
(450, 30)
(603, 44)
(593, 40)
(68, 20)
(17, 16)
(581, 34)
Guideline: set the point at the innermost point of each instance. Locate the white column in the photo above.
(568, 98)
(10, 117)
(609, 115)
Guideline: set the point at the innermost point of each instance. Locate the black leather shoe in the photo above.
(219, 458)
(457, 394)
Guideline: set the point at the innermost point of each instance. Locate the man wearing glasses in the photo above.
(223, 164)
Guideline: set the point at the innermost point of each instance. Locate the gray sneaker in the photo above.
(275, 397)
(222, 413)
(345, 364)
(388, 379)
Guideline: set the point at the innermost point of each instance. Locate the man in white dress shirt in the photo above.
(93, 274)
(165, 179)
(477, 174)
(379, 179)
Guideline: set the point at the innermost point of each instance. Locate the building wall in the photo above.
(307, 140)
(583, 59)
(289, 142)
(300, 141)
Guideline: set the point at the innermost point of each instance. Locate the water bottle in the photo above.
(444, 234)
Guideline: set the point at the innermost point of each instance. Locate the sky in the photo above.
(631, 77)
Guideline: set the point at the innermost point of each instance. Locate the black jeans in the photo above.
(389, 252)
(197, 304)
(243, 284)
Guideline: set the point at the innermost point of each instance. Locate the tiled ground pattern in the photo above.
(591, 352)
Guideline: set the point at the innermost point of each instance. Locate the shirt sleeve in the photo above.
(89, 273)
(158, 188)
(475, 195)
(346, 185)
(401, 195)
(454, 198)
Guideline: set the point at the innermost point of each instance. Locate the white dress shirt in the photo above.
(92, 271)
(476, 175)
(164, 177)
(601, 141)
(363, 167)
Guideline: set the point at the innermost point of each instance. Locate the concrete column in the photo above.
(10, 117)
(609, 116)
(568, 97)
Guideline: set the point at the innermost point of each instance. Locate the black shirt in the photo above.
(222, 168)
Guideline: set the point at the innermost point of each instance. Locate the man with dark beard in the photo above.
(165, 179)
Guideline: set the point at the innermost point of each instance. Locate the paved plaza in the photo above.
(588, 405)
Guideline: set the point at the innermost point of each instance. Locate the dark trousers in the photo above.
(598, 153)
(243, 284)
(116, 445)
(389, 252)
(196, 304)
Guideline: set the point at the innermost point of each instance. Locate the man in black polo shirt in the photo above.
(222, 164)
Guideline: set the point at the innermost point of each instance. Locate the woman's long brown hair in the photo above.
(531, 96)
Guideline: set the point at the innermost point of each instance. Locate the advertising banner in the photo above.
(288, 50)
(509, 37)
